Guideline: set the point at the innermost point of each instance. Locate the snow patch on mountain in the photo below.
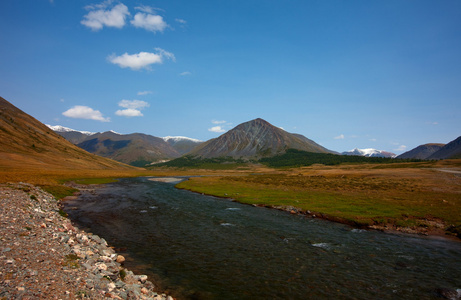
(369, 152)
(60, 128)
(180, 138)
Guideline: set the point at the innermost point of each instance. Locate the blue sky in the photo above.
(346, 74)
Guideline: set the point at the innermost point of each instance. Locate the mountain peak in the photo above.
(60, 128)
(255, 138)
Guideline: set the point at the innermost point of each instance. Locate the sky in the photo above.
(346, 74)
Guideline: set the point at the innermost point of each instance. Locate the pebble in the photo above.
(42, 255)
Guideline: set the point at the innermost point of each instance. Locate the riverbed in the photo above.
(202, 247)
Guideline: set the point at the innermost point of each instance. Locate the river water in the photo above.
(203, 247)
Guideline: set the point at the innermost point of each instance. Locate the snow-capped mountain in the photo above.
(182, 144)
(179, 139)
(369, 152)
(59, 128)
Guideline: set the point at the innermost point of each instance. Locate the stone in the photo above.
(111, 286)
(142, 278)
(120, 259)
(448, 293)
(101, 266)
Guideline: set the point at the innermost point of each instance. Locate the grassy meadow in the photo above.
(420, 197)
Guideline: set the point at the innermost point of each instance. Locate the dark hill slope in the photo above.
(253, 139)
(27, 143)
(136, 148)
(75, 137)
(421, 152)
(450, 150)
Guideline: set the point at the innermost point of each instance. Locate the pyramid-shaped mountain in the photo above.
(254, 139)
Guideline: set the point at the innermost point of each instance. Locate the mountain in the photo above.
(450, 150)
(135, 149)
(182, 144)
(26, 143)
(60, 128)
(254, 139)
(72, 135)
(422, 151)
(369, 152)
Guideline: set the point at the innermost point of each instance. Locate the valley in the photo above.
(256, 164)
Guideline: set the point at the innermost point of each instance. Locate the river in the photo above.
(203, 247)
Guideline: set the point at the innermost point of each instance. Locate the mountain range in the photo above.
(137, 149)
(253, 139)
(25, 140)
(369, 152)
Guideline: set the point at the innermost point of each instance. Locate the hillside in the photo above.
(450, 150)
(26, 143)
(422, 151)
(136, 149)
(253, 139)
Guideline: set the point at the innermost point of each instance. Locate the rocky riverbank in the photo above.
(43, 256)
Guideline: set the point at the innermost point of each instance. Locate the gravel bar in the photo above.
(43, 256)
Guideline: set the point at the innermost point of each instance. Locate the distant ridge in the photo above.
(450, 150)
(59, 128)
(421, 152)
(137, 149)
(369, 152)
(253, 139)
(182, 144)
(25, 142)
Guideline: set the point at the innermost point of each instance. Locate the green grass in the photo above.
(59, 191)
(95, 180)
(359, 200)
(217, 163)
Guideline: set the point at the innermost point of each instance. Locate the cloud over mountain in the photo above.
(85, 112)
(132, 108)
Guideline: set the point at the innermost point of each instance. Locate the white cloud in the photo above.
(132, 108)
(218, 122)
(217, 129)
(339, 137)
(142, 93)
(135, 104)
(185, 73)
(146, 9)
(181, 21)
(373, 140)
(129, 112)
(85, 112)
(401, 148)
(101, 15)
(149, 22)
(140, 60)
